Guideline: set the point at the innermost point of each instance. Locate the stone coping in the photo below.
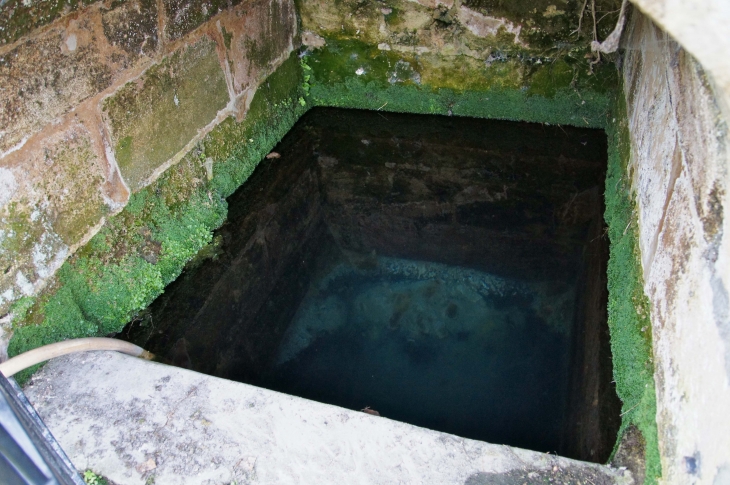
(139, 422)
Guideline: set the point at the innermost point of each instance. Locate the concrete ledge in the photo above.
(133, 420)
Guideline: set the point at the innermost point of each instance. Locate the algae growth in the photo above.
(142, 249)
(124, 267)
(628, 307)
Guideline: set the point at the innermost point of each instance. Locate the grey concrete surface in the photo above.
(139, 422)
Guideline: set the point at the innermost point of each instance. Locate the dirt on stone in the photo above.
(631, 453)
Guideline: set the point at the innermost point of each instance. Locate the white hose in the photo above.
(41, 354)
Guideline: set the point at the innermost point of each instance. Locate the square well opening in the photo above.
(446, 272)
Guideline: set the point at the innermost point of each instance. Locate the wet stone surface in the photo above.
(432, 269)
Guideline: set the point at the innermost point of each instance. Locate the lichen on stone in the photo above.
(185, 15)
(132, 26)
(153, 119)
(19, 17)
(58, 193)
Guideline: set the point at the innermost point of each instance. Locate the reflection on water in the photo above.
(449, 273)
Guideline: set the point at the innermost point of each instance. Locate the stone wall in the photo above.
(520, 60)
(700, 27)
(678, 162)
(509, 199)
(100, 102)
(124, 125)
(112, 95)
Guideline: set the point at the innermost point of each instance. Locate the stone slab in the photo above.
(136, 421)
(184, 16)
(153, 117)
(654, 161)
(132, 27)
(19, 17)
(258, 36)
(701, 27)
(54, 191)
(45, 76)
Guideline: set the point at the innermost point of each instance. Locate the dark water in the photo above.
(432, 352)
(448, 273)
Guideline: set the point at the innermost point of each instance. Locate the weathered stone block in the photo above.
(679, 154)
(133, 27)
(258, 36)
(657, 161)
(53, 191)
(18, 17)
(183, 16)
(44, 77)
(153, 118)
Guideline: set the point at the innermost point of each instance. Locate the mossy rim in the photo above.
(142, 249)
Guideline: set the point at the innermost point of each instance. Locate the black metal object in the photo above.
(29, 454)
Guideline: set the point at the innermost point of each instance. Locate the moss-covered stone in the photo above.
(348, 72)
(549, 22)
(154, 118)
(628, 308)
(466, 46)
(43, 78)
(58, 190)
(143, 248)
(28, 251)
(73, 191)
(500, 95)
(258, 36)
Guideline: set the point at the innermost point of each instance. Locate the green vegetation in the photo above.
(145, 247)
(165, 225)
(91, 478)
(628, 307)
(389, 83)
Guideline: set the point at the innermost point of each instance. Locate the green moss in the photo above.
(73, 190)
(565, 107)
(21, 307)
(145, 247)
(628, 307)
(20, 233)
(227, 38)
(550, 79)
(394, 18)
(461, 86)
(123, 151)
